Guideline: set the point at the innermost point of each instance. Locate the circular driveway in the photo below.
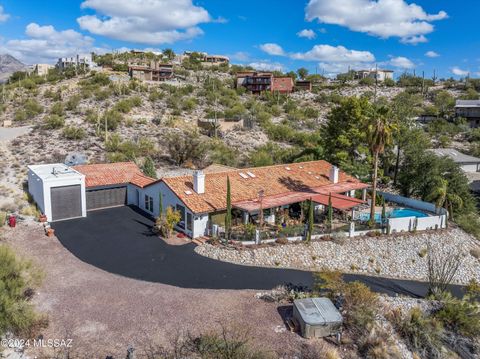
(119, 240)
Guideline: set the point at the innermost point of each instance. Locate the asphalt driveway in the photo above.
(119, 240)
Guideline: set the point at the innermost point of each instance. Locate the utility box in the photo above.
(317, 317)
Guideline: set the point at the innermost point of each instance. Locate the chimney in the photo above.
(199, 182)
(334, 172)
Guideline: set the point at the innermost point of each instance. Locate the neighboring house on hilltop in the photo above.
(468, 164)
(154, 72)
(470, 110)
(303, 85)
(77, 61)
(63, 192)
(380, 75)
(42, 69)
(215, 60)
(258, 82)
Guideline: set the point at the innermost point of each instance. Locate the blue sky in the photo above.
(398, 34)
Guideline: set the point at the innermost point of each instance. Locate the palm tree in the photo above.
(379, 133)
(441, 195)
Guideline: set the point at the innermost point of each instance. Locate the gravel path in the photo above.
(104, 313)
(402, 256)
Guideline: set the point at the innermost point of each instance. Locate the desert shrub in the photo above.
(186, 147)
(53, 95)
(470, 223)
(148, 167)
(54, 121)
(3, 218)
(112, 118)
(32, 108)
(220, 153)
(377, 343)
(167, 221)
(461, 316)
(123, 106)
(359, 302)
(189, 104)
(73, 133)
(367, 81)
(91, 116)
(422, 333)
(154, 95)
(20, 115)
(310, 112)
(17, 277)
(57, 109)
(73, 102)
(102, 95)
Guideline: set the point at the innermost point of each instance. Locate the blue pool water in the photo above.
(395, 213)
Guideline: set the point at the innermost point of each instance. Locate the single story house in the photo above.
(378, 74)
(201, 197)
(467, 163)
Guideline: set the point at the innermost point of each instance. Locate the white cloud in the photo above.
(307, 33)
(272, 49)
(46, 44)
(240, 56)
(431, 54)
(267, 66)
(338, 54)
(145, 21)
(401, 62)
(414, 40)
(3, 16)
(459, 72)
(382, 18)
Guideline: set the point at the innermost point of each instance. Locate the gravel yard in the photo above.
(402, 256)
(104, 313)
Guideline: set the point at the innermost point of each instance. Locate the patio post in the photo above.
(364, 194)
(246, 217)
(351, 232)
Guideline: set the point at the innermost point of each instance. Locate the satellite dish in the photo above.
(74, 159)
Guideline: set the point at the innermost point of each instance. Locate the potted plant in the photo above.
(42, 218)
(50, 232)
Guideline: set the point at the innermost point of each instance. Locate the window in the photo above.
(189, 221)
(149, 203)
(181, 209)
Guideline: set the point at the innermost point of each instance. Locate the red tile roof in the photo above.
(275, 180)
(106, 174)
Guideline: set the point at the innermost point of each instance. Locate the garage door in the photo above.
(106, 197)
(66, 202)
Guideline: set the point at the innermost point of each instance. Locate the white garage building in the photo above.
(58, 190)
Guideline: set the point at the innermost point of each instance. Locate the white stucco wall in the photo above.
(40, 189)
(434, 222)
(199, 222)
(401, 224)
(35, 188)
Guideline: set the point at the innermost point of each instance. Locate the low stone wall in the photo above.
(398, 256)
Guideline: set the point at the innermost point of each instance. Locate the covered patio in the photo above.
(286, 214)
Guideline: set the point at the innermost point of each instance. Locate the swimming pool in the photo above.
(395, 213)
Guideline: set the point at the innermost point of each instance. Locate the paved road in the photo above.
(10, 133)
(119, 240)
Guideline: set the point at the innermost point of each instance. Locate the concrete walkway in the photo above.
(119, 240)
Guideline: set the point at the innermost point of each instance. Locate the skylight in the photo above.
(251, 174)
(188, 192)
(243, 175)
(288, 168)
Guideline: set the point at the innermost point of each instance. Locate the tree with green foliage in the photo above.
(380, 133)
(17, 280)
(344, 135)
(228, 215)
(443, 196)
(302, 73)
(310, 221)
(149, 167)
(169, 54)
